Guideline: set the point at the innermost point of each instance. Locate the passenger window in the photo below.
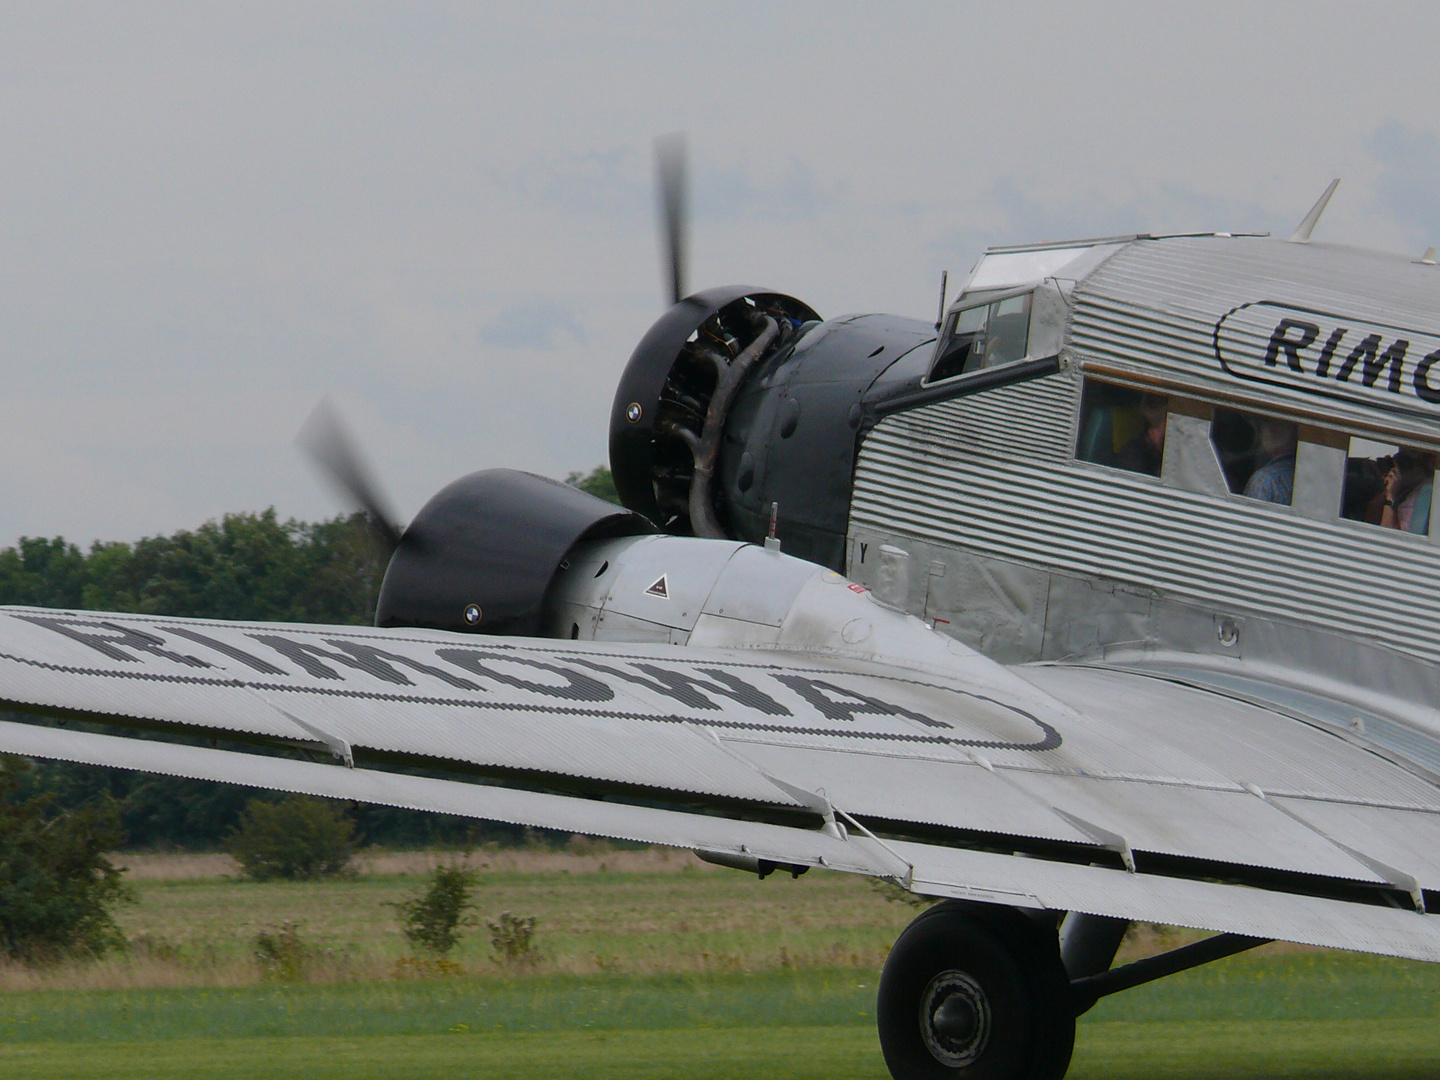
(1257, 454)
(1389, 486)
(984, 336)
(1122, 428)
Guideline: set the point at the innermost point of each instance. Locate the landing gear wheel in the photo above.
(975, 992)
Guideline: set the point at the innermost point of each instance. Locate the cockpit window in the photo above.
(983, 336)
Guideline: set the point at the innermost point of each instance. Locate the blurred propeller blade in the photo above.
(324, 438)
(670, 180)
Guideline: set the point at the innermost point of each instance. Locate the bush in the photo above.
(513, 939)
(56, 885)
(432, 920)
(295, 838)
(282, 955)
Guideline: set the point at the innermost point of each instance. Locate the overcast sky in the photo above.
(441, 215)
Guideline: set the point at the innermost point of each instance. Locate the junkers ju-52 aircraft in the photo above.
(1108, 597)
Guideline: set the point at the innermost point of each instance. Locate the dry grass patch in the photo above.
(1150, 939)
(597, 909)
(580, 858)
(158, 867)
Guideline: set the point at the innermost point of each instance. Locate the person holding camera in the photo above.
(1409, 485)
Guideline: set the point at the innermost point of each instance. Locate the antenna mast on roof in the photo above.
(1302, 232)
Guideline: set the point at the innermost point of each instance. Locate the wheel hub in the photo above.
(955, 1019)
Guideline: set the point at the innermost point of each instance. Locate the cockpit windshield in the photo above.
(982, 337)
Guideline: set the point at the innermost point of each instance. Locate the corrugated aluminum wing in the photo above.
(993, 878)
(1086, 764)
(966, 874)
(973, 875)
(1246, 743)
(540, 810)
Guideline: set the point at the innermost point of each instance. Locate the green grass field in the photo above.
(623, 990)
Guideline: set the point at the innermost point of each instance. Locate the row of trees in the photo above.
(244, 566)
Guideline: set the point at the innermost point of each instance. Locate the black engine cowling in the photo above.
(480, 556)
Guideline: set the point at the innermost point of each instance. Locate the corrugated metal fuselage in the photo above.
(995, 531)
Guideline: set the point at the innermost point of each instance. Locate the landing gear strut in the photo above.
(976, 992)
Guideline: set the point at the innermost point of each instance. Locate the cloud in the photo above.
(615, 182)
(619, 183)
(539, 324)
(1163, 208)
(727, 194)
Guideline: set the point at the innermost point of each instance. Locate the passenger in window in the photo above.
(1145, 453)
(1409, 486)
(1274, 480)
(1362, 498)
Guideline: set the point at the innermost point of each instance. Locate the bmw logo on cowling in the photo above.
(472, 614)
(633, 412)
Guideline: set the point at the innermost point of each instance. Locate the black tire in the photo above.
(975, 992)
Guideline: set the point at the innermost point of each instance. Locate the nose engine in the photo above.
(740, 402)
(670, 408)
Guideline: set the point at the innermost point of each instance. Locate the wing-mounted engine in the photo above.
(680, 590)
(668, 419)
(481, 554)
(507, 552)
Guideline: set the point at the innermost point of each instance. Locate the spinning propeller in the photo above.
(326, 442)
(674, 217)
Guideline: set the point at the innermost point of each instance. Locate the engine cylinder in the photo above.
(664, 397)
